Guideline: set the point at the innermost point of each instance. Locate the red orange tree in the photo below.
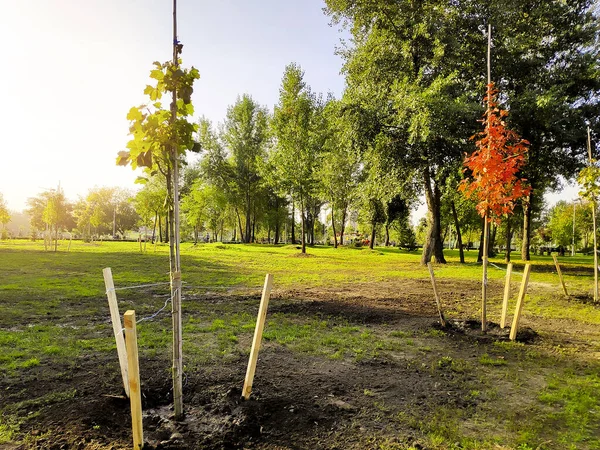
(494, 173)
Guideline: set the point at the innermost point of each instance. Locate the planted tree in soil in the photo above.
(159, 137)
(494, 179)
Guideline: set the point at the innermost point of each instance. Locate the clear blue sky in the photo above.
(72, 69)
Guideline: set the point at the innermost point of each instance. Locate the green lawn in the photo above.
(53, 310)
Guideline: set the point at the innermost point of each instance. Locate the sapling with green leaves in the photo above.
(160, 137)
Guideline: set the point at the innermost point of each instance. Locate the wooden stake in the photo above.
(135, 398)
(560, 275)
(506, 295)
(258, 332)
(519, 309)
(116, 323)
(437, 297)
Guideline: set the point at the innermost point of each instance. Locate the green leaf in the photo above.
(141, 180)
(189, 109)
(134, 114)
(157, 74)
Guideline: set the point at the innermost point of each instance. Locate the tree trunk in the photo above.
(508, 239)
(525, 254)
(486, 232)
(168, 224)
(335, 242)
(433, 245)
(253, 227)
(461, 251)
(240, 225)
(248, 228)
(387, 234)
(373, 229)
(492, 241)
(160, 233)
(344, 213)
(153, 228)
(303, 227)
(293, 222)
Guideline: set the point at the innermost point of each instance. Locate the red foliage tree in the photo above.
(494, 166)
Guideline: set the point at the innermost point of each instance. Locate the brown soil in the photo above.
(298, 401)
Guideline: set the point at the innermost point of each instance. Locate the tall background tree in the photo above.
(299, 134)
(414, 71)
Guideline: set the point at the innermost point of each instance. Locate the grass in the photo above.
(541, 396)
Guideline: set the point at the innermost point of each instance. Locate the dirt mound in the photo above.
(472, 329)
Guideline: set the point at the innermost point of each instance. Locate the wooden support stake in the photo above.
(135, 397)
(116, 323)
(519, 309)
(437, 297)
(506, 295)
(562, 281)
(258, 332)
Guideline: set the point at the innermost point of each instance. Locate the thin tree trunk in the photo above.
(293, 222)
(387, 234)
(373, 229)
(160, 233)
(240, 225)
(525, 253)
(335, 242)
(303, 227)
(153, 228)
(461, 251)
(344, 214)
(253, 227)
(433, 245)
(486, 232)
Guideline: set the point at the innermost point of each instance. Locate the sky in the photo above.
(72, 69)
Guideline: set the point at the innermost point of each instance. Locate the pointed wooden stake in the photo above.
(258, 331)
(506, 295)
(437, 297)
(562, 281)
(519, 309)
(116, 323)
(133, 367)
